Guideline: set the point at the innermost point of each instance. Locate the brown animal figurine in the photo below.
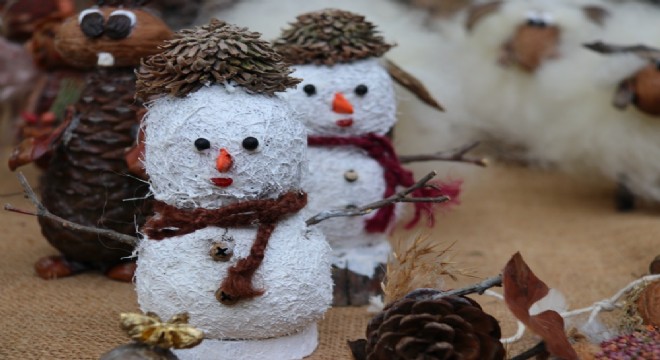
(87, 179)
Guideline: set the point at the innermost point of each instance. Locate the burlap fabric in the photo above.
(566, 229)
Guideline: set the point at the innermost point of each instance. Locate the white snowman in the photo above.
(225, 157)
(348, 104)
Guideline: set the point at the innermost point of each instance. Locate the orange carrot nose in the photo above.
(223, 162)
(340, 105)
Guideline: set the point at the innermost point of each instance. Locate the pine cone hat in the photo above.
(329, 37)
(419, 327)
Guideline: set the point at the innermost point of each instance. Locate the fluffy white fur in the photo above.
(177, 274)
(181, 175)
(373, 112)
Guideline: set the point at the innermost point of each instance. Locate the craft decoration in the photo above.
(20, 18)
(87, 178)
(16, 74)
(348, 105)
(642, 89)
(534, 40)
(228, 243)
(153, 338)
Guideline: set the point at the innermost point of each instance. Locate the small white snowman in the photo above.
(225, 156)
(348, 104)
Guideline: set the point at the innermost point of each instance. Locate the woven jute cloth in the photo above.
(566, 229)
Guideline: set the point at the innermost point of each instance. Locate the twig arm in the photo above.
(43, 212)
(456, 155)
(400, 197)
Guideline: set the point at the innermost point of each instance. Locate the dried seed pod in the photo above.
(648, 304)
(150, 330)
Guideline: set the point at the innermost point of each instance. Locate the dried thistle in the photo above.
(328, 37)
(151, 330)
(422, 263)
(216, 53)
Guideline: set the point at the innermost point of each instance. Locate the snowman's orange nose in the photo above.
(223, 162)
(340, 105)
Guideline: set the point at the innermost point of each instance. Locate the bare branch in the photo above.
(44, 213)
(368, 208)
(457, 155)
(643, 51)
(478, 288)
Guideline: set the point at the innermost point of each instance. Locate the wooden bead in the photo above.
(648, 304)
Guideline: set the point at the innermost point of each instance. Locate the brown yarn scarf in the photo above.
(170, 221)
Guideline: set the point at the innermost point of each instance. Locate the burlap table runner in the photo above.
(565, 228)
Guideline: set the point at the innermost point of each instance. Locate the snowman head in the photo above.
(221, 145)
(345, 91)
(345, 99)
(219, 135)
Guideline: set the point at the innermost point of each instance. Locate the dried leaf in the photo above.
(149, 329)
(33, 149)
(411, 83)
(521, 290)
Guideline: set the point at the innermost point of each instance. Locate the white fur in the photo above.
(180, 174)
(373, 112)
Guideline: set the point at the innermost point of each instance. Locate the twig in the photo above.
(478, 288)
(46, 214)
(457, 155)
(610, 303)
(538, 349)
(368, 208)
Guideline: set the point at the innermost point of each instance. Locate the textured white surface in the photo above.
(180, 174)
(295, 346)
(327, 188)
(178, 274)
(373, 112)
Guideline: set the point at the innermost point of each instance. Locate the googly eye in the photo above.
(250, 143)
(91, 23)
(120, 24)
(309, 89)
(361, 90)
(202, 144)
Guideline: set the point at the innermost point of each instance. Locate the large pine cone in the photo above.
(87, 180)
(417, 327)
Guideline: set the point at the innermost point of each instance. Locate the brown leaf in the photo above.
(521, 290)
(411, 83)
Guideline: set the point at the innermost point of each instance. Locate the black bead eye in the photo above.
(91, 23)
(119, 25)
(202, 144)
(309, 89)
(250, 143)
(361, 90)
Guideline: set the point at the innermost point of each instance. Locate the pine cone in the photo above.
(418, 327)
(88, 181)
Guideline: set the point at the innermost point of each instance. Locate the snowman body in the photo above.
(333, 103)
(179, 274)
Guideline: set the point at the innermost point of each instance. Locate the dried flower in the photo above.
(643, 343)
(329, 37)
(151, 330)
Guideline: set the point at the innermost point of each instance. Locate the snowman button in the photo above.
(221, 251)
(351, 175)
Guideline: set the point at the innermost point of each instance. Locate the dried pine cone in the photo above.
(328, 37)
(418, 327)
(216, 53)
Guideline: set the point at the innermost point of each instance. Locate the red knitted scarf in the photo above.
(380, 149)
(170, 221)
